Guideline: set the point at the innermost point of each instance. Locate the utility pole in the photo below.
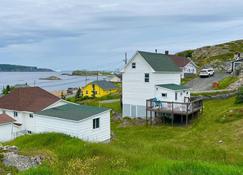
(86, 79)
(125, 60)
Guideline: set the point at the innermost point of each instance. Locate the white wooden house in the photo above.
(151, 88)
(144, 71)
(187, 66)
(34, 110)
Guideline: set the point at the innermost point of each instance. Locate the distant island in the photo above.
(19, 68)
(51, 78)
(90, 73)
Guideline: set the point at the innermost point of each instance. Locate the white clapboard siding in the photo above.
(135, 90)
(82, 129)
(6, 132)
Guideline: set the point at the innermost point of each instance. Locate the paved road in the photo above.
(203, 84)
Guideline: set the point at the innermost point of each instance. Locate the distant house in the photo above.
(114, 79)
(34, 110)
(99, 89)
(236, 64)
(187, 66)
(151, 88)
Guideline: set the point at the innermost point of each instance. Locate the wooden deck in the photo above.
(155, 108)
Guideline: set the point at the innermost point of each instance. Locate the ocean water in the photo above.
(33, 79)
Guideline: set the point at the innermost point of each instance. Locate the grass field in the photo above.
(223, 84)
(211, 145)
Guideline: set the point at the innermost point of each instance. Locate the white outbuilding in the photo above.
(85, 122)
(6, 128)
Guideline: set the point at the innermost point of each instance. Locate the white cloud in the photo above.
(37, 29)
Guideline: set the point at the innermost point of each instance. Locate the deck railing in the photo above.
(194, 104)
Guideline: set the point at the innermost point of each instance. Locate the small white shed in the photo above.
(172, 93)
(85, 122)
(6, 128)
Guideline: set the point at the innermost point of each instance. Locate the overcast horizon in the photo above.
(72, 34)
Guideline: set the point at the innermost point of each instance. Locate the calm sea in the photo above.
(33, 79)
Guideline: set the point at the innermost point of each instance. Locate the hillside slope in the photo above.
(214, 54)
(19, 68)
(213, 145)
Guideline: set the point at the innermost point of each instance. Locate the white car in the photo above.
(206, 72)
(211, 71)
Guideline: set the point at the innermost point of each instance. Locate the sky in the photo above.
(95, 34)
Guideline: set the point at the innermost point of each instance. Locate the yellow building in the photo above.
(99, 89)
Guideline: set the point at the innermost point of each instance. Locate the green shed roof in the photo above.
(160, 62)
(173, 86)
(73, 112)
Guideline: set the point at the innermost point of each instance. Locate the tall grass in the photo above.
(207, 146)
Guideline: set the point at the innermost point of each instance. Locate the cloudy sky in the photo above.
(95, 34)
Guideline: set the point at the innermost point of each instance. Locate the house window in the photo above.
(29, 132)
(146, 77)
(176, 96)
(133, 65)
(87, 92)
(15, 114)
(31, 116)
(96, 123)
(164, 94)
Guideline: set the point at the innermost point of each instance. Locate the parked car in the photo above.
(211, 71)
(206, 72)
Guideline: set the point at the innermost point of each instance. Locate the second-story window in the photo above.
(31, 116)
(15, 114)
(133, 65)
(146, 77)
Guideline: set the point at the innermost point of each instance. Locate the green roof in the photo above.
(172, 86)
(72, 112)
(106, 85)
(159, 62)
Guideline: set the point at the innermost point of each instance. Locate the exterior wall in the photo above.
(6, 132)
(87, 91)
(182, 95)
(83, 129)
(190, 68)
(136, 91)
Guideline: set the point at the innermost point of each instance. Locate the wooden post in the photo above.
(187, 114)
(172, 114)
(146, 112)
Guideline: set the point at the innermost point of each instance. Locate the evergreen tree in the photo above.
(78, 94)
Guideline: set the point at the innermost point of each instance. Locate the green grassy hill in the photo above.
(214, 54)
(166, 150)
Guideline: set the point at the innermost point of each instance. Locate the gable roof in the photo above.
(4, 118)
(180, 61)
(31, 99)
(73, 112)
(172, 86)
(159, 62)
(106, 85)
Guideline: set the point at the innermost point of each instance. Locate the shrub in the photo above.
(239, 96)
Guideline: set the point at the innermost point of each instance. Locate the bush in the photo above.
(239, 96)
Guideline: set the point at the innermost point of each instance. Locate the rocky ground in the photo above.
(10, 157)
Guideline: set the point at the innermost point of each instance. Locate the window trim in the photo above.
(164, 95)
(146, 78)
(96, 123)
(15, 114)
(134, 65)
